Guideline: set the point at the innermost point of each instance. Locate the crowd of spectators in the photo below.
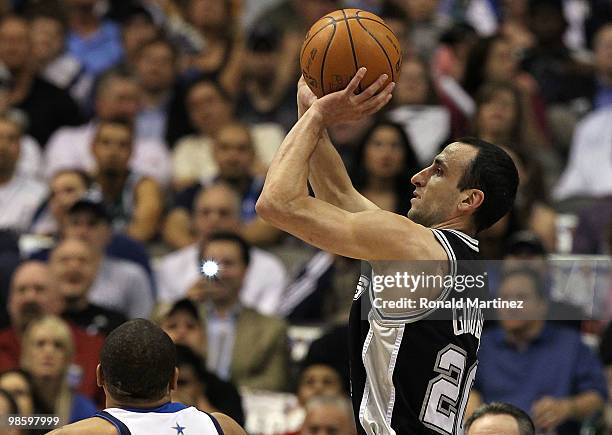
(135, 136)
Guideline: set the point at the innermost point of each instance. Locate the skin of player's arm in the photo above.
(229, 426)
(176, 230)
(328, 176)
(89, 426)
(366, 235)
(147, 210)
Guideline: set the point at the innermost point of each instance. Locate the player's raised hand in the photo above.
(344, 106)
(305, 97)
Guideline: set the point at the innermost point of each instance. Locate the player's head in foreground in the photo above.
(137, 366)
(500, 419)
(471, 182)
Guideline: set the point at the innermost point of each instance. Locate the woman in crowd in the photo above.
(384, 164)
(47, 351)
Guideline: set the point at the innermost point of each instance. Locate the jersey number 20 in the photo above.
(447, 394)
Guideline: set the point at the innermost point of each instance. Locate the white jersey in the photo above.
(169, 419)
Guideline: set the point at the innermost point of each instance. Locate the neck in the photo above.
(111, 185)
(84, 25)
(456, 223)
(114, 403)
(154, 98)
(48, 390)
(522, 337)
(222, 309)
(380, 184)
(76, 304)
(240, 184)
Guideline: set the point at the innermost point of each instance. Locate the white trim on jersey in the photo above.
(470, 241)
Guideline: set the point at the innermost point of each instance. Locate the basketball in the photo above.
(340, 43)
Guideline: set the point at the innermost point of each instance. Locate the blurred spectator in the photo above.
(47, 107)
(217, 208)
(47, 350)
(589, 168)
(74, 268)
(155, 67)
(537, 365)
(531, 210)
(262, 100)
(221, 57)
(134, 200)
(385, 163)
(117, 95)
(591, 235)
(9, 260)
(329, 415)
(19, 194)
(347, 137)
(234, 155)
(603, 67)
(200, 388)
(451, 55)
(95, 42)
(500, 418)
(416, 107)
(137, 29)
(8, 406)
(247, 347)
(33, 294)
(19, 384)
(182, 322)
(210, 110)
(120, 285)
(53, 62)
(514, 25)
(550, 61)
(492, 60)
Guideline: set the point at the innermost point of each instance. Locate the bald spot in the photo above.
(491, 424)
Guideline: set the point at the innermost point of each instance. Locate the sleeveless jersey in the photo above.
(169, 419)
(413, 376)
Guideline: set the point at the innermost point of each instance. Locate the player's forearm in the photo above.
(287, 176)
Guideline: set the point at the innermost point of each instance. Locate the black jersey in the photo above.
(413, 377)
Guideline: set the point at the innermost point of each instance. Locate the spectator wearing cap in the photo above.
(74, 268)
(119, 285)
(217, 208)
(19, 194)
(117, 95)
(537, 365)
(262, 99)
(33, 294)
(133, 200)
(243, 346)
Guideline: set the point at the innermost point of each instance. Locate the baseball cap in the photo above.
(91, 202)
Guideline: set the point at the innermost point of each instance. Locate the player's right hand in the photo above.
(305, 97)
(345, 106)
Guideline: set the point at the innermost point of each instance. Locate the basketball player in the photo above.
(409, 374)
(138, 373)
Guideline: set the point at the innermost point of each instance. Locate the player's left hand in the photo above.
(550, 412)
(305, 97)
(345, 106)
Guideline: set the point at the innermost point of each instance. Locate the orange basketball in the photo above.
(340, 43)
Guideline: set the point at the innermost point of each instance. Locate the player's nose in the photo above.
(419, 179)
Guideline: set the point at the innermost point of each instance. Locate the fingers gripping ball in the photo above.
(340, 43)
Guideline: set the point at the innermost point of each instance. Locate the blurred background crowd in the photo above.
(134, 140)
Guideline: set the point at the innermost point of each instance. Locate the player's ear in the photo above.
(174, 379)
(471, 199)
(99, 376)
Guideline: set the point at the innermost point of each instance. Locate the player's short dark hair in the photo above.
(533, 275)
(498, 408)
(493, 172)
(138, 360)
(227, 236)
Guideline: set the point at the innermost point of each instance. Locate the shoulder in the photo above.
(90, 426)
(229, 426)
(125, 268)
(253, 317)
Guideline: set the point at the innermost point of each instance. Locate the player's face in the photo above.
(437, 197)
(9, 147)
(216, 210)
(327, 420)
(30, 292)
(112, 148)
(88, 227)
(318, 380)
(520, 288)
(184, 329)
(384, 153)
(233, 152)
(66, 189)
(232, 269)
(73, 267)
(19, 387)
(494, 425)
(47, 353)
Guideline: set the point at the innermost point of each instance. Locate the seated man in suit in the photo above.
(244, 346)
